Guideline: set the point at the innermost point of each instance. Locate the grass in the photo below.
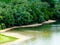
(5, 39)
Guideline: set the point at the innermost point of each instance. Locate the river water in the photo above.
(48, 34)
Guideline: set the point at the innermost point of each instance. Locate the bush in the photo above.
(8, 18)
(40, 19)
(23, 18)
(0, 27)
(5, 1)
(3, 26)
(57, 14)
(21, 12)
(1, 18)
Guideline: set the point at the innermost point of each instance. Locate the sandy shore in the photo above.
(32, 25)
(20, 37)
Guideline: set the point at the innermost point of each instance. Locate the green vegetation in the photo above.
(4, 39)
(23, 12)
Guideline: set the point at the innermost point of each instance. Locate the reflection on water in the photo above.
(42, 35)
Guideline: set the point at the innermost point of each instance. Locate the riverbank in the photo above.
(32, 25)
(21, 37)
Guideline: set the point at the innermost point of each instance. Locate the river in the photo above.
(48, 34)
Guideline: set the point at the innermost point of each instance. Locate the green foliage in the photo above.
(57, 11)
(22, 12)
(23, 18)
(3, 26)
(51, 2)
(6, 1)
(57, 14)
(8, 16)
(1, 18)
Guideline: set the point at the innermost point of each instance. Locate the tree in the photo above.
(51, 2)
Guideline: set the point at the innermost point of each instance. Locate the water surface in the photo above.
(48, 34)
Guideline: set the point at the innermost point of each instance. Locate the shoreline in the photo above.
(32, 25)
(21, 37)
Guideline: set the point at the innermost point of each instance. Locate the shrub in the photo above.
(57, 14)
(5, 1)
(21, 12)
(3, 26)
(23, 18)
(1, 18)
(8, 17)
(40, 19)
(0, 27)
(36, 11)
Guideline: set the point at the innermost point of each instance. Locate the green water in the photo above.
(48, 34)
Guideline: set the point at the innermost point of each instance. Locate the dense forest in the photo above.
(23, 12)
